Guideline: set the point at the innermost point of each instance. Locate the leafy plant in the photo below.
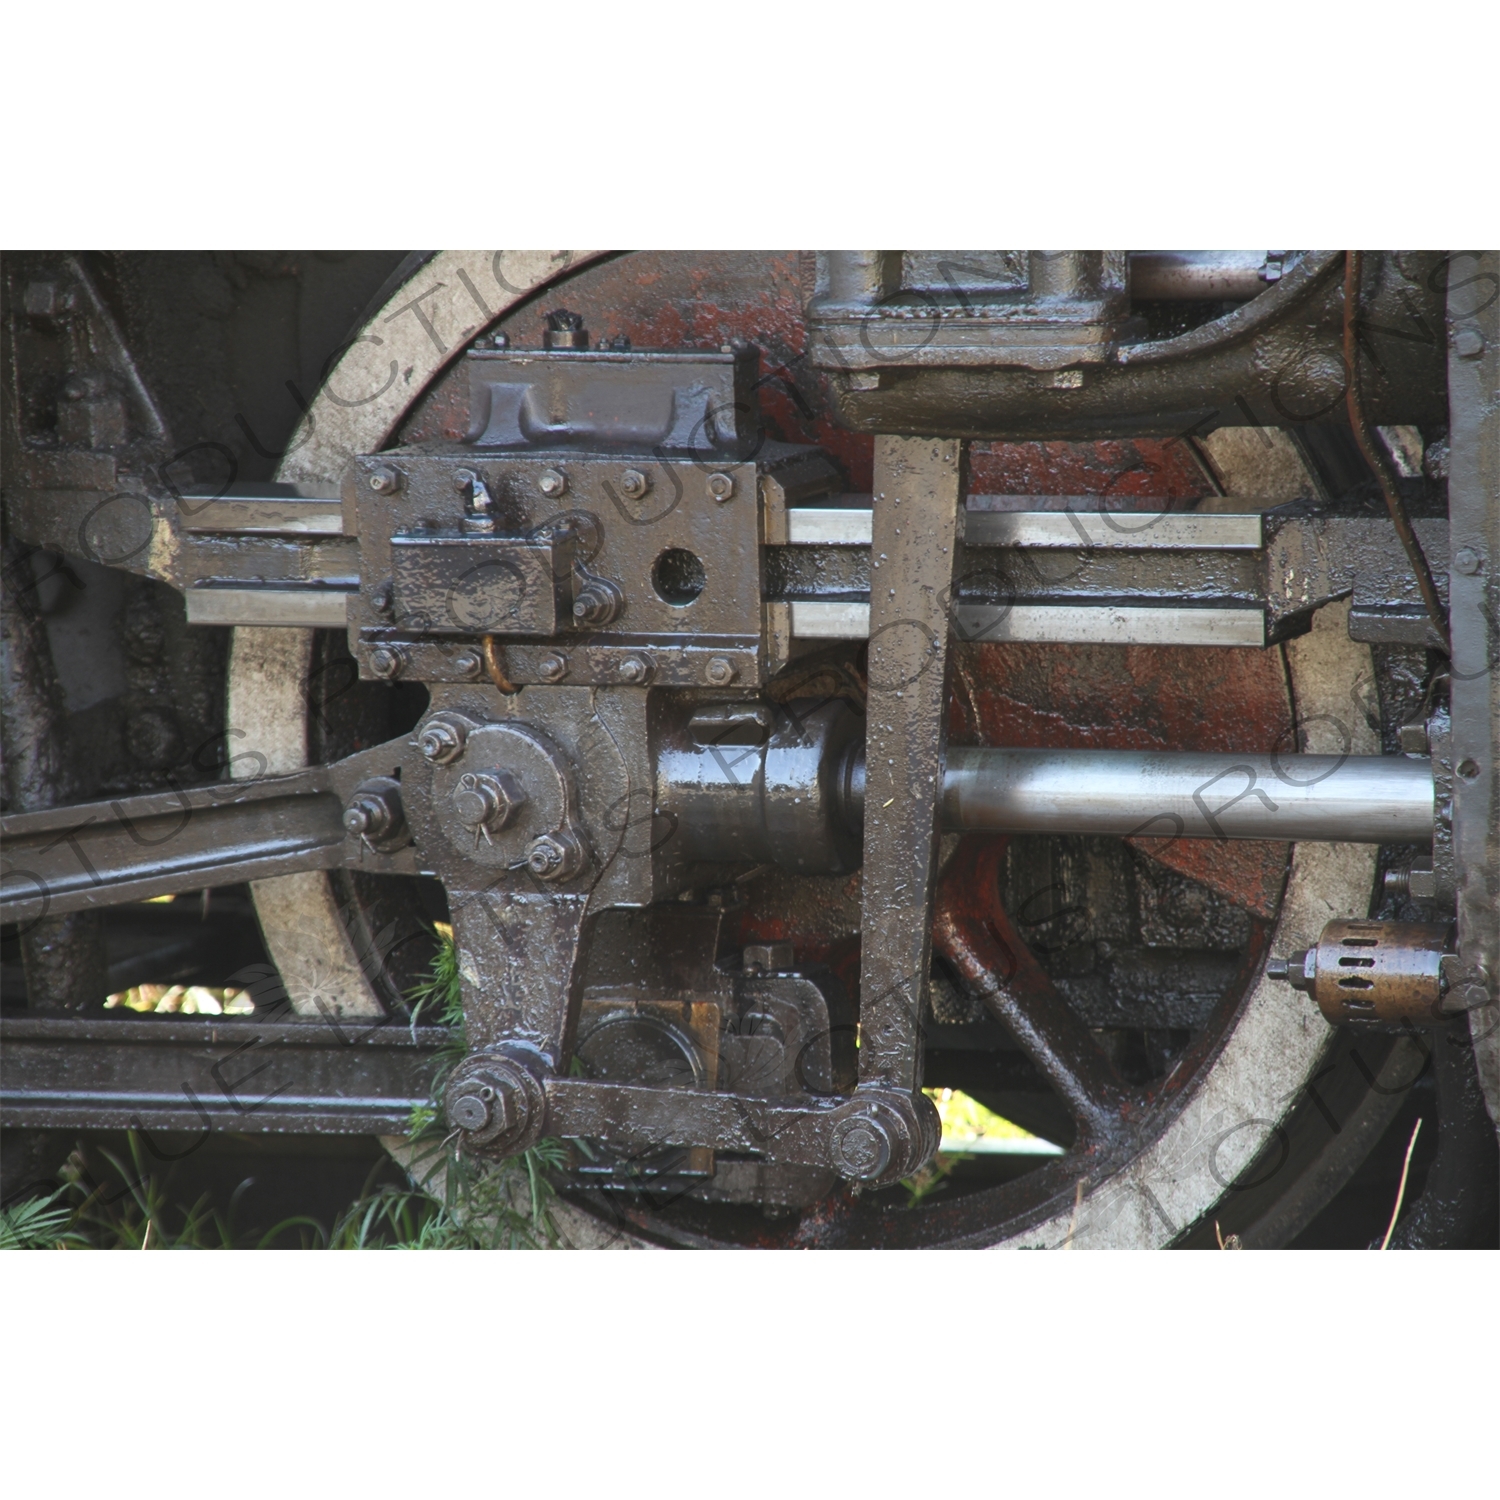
(458, 1202)
(38, 1224)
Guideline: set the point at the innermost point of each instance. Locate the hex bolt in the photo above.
(598, 602)
(1467, 561)
(552, 667)
(720, 671)
(464, 481)
(634, 484)
(486, 800)
(470, 1111)
(634, 670)
(861, 1148)
(482, 1107)
(385, 480)
(545, 858)
(387, 661)
(500, 341)
(441, 742)
(721, 486)
(552, 483)
(468, 664)
(1468, 343)
(369, 816)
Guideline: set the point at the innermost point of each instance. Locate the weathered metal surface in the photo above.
(63, 955)
(1361, 971)
(919, 487)
(99, 854)
(973, 933)
(1473, 326)
(1136, 698)
(1032, 362)
(632, 852)
(244, 1075)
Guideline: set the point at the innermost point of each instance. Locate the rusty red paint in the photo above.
(1137, 698)
(1104, 696)
(1126, 473)
(973, 931)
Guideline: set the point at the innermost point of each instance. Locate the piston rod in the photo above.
(1360, 799)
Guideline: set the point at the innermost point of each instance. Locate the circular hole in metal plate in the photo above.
(678, 576)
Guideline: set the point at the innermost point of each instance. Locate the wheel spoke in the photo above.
(973, 933)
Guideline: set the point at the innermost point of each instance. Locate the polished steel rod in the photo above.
(1366, 799)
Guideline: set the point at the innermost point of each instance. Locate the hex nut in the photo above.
(634, 670)
(471, 1111)
(497, 1102)
(552, 667)
(720, 671)
(597, 603)
(468, 664)
(552, 483)
(861, 1148)
(634, 484)
(1413, 739)
(1468, 343)
(387, 661)
(464, 480)
(441, 742)
(1467, 561)
(385, 480)
(486, 800)
(545, 858)
(721, 486)
(368, 817)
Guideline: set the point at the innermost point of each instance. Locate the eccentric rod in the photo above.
(1360, 799)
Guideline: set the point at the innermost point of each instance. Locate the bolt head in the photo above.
(1467, 561)
(385, 481)
(468, 664)
(552, 667)
(486, 799)
(41, 299)
(720, 671)
(441, 743)
(721, 486)
(1468, 343)
(634, 670)
(552, 483)
(386, 662)
(861, 1149)
(634, 484)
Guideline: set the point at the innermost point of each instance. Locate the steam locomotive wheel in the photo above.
(1243, 1106)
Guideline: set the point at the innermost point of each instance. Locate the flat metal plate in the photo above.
(321, 608)
(1125, 625)
(1130, 530)
(831, 526)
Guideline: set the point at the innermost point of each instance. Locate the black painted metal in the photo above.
(244, 1074)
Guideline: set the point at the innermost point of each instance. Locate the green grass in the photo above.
(452, 1202)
